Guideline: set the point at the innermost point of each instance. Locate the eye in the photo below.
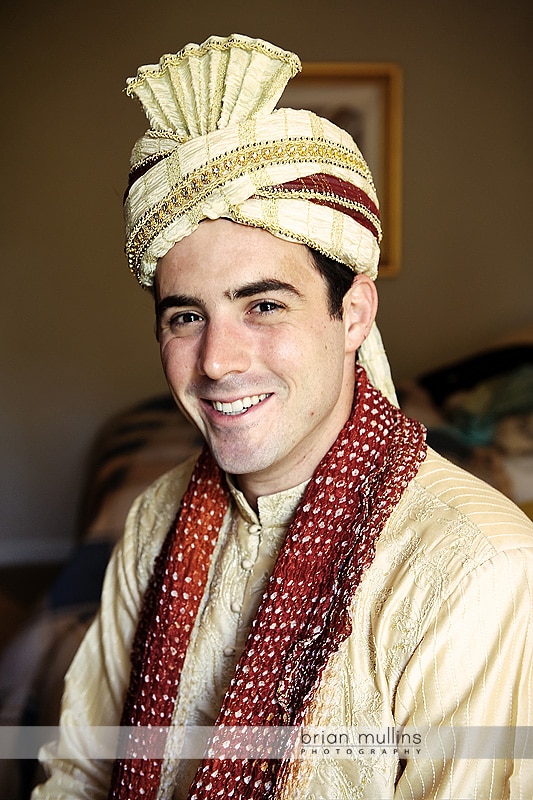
(185, 318)
(182, 322)
(266, 307)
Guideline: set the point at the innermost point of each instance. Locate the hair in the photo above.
(338, 278)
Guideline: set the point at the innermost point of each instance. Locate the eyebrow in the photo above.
(262, 287)
(247, 290)
(176, 301)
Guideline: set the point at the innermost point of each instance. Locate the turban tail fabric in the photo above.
(218, 147)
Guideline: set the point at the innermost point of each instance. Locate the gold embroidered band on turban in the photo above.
(218, 147)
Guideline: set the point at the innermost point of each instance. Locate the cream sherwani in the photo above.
(442, 640)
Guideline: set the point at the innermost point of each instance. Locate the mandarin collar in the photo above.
(273, 509)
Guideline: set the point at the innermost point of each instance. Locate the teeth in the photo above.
(239, 406)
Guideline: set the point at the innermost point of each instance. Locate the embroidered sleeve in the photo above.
(470, 682)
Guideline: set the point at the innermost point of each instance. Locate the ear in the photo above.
(360, 306)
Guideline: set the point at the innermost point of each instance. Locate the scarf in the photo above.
(304, 615)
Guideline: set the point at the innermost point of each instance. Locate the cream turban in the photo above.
(218, 147)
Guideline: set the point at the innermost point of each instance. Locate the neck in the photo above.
(254, 489)
(291, 472)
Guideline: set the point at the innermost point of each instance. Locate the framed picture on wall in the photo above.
(365, 99)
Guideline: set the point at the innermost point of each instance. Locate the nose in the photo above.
(224, 349)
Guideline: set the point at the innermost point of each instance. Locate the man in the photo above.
(317, 568)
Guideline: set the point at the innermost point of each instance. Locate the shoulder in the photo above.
(448, 528)
(163, 491)
(454, 553)
(466, 503)
(154, 511)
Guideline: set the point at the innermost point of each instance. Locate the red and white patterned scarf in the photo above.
(304, 615)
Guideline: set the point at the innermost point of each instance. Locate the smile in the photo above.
(239, 406)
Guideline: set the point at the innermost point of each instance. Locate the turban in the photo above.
(218, 147)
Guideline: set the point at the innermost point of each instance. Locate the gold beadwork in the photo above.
(201, 182)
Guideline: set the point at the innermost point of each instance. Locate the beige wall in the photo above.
(78, 342)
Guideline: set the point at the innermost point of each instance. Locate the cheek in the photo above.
(315, 357)
(177, 361)
(294, 341)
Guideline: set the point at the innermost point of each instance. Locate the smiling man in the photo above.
(253, 355)
(316, 567)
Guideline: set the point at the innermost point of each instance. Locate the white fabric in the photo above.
(239, 176)
(441, 636)
(213, 117)
(221, 82)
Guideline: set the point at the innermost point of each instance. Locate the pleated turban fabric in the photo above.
(218, 147)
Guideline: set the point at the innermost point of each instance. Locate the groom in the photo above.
(316, 565)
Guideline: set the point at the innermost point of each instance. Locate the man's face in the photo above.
(251, 353)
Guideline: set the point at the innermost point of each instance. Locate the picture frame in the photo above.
(365, 98)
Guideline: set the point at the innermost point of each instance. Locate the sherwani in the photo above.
(441, 640)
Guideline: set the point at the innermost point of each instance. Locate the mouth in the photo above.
(238, 407)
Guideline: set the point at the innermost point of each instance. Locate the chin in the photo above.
(241, 461)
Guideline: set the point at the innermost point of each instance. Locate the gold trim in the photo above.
(213, 43)
(304, 194)
(201, 182)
